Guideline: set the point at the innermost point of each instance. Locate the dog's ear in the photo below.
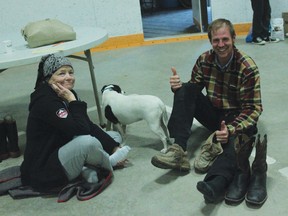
(117, 88)
(102, 89)
(106, 87)
(111, 87)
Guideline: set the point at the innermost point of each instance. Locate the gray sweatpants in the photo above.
(85, 150)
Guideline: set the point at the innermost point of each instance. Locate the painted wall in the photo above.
(241, 12)
(118, 17)
(234, 10)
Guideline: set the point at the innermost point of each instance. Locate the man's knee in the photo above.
(188, 89)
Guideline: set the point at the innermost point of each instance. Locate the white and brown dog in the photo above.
(122, 110)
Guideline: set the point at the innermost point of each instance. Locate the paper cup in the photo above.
(7, 44)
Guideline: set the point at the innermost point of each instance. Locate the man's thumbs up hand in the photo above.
(173, 69)
(222, 134)
(175, 82)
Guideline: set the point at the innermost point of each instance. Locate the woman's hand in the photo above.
(175, 81)
(63, 92)
(222, 135)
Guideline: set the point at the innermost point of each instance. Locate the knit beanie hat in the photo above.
(48, 65)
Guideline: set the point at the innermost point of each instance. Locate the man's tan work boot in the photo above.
(209, 152)
(174, 158)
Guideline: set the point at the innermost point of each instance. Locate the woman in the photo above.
(62, 142)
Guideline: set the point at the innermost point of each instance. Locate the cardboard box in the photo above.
(285, 19)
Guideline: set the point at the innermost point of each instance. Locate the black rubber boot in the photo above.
(12, 136)
(257, 192)
(237, 189)
(3, 141)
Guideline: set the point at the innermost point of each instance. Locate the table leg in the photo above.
(93, 79)
(91, 68)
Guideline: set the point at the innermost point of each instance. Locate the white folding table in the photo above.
(86, 38)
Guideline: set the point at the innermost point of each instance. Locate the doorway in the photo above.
(169, 18)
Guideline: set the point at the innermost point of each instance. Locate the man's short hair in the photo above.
(219, 23)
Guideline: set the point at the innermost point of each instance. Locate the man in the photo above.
(230, 108)
(261, 22)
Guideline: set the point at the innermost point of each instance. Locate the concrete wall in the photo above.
(234, 10)
(241, 11)
(118, 17)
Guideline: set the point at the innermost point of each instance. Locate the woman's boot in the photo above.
(257, 192)
(3, 141)
(237, 189)
(12, 136)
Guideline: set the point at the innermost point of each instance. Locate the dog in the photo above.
(123, 110)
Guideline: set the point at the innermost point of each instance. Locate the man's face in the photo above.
(222, 43)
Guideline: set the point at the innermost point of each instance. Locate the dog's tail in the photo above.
(164, 119)
(165, 116)
(168, 110)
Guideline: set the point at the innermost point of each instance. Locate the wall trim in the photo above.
(138, 39)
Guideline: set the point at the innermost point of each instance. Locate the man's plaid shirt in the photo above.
(236, 87)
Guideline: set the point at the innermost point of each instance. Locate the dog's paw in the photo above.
(164, 150)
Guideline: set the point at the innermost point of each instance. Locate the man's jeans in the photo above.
(190, 103)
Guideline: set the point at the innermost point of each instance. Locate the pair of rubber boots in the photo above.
(247, 185)
(8, 138)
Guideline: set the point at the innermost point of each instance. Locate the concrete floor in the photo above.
(141, 189)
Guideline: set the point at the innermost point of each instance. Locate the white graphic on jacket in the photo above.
(62, 113)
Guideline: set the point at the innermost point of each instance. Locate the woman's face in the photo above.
(63, 76)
